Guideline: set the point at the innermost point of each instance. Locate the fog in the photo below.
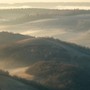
(68, 25)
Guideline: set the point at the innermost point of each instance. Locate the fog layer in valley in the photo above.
(68, 25)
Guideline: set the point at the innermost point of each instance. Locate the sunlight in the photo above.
(20, 1)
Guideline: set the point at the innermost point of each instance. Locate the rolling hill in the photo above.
(9, 38)
(27, 51)
(50, 63)
(9, 83)
(60, 76)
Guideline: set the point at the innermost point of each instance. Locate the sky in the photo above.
(21, 1)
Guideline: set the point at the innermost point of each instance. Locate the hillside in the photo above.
(28, 51)
(9, 38)
(44, 49)
(50, 63)
(9, 83)
(60, 76)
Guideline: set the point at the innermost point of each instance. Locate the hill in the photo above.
(28, 51)
(9, 38)
(67, 25)
(9, 83)
(60, 76)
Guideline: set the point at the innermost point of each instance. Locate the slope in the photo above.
(9, 83)
(28, 51)
(60, 76)
(8, 38)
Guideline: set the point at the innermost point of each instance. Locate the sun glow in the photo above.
(20, 1)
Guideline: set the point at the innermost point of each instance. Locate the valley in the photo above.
(44, 49)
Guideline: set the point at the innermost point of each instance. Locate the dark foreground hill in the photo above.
(10, 83)
(60, 76)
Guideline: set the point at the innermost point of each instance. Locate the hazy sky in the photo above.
(18, 1)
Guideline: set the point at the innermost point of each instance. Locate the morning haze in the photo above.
(44, 45)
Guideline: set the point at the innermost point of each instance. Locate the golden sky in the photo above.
(18, 1)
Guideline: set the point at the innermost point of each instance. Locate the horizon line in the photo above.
(40, 2)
